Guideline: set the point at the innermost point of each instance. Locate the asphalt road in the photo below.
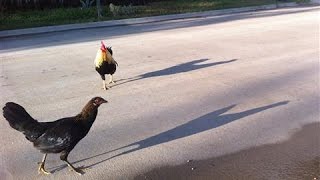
(187, 89)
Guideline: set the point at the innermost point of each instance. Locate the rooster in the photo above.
(59, 136)
(105, 64)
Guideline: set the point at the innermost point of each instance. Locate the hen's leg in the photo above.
(41, 165)
(64, 157)
(77, 170)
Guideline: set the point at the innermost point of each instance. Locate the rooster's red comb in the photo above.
(103, 47)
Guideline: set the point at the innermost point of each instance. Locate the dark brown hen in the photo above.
(59, 136)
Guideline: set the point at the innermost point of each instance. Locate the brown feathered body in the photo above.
(52, 137)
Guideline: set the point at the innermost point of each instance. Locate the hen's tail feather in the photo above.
(20, 120)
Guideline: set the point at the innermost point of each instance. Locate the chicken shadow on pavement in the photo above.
(180, 68)
(201, 124)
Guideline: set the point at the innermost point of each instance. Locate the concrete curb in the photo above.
(123, 22)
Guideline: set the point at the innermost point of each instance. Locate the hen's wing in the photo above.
(63, 135)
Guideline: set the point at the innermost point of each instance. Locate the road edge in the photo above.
(143, 20)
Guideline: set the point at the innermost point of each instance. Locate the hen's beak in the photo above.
(103, 101)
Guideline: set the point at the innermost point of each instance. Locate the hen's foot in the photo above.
(79, 170)
(42, 170)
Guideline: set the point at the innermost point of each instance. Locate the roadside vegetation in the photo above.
(87, 11)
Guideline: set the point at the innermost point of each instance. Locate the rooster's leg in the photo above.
(104, 85)
(41, 166)
(111, 79)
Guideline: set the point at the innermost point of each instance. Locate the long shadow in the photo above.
(204, 123)
(180, 68)
(85, 35)
(184, 67)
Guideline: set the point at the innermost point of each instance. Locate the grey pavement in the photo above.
(191, 88)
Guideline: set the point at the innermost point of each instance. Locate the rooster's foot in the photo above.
(105, 88)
